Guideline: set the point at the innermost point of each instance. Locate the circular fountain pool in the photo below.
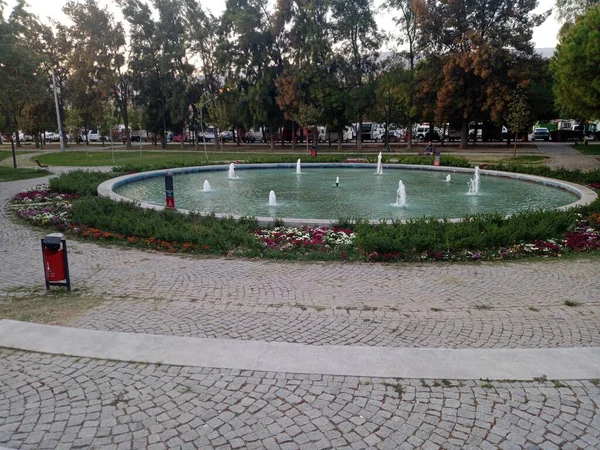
(312, 195)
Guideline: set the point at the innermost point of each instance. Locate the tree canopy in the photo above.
(172, 63)
(576, 66)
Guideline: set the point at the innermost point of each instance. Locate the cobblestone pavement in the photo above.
(567, 157)
(64, 402)
(513, 328)
(519, 304)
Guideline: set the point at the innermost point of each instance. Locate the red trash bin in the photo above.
(313, 152)
(54, 264)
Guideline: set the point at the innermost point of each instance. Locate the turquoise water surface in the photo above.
(361, 193)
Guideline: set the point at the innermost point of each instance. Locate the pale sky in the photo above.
(544, 36)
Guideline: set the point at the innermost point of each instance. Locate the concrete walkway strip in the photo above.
(512, 364)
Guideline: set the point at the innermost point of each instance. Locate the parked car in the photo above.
(226, 135)
(139, 135)
(209, 134)
(94, 136)
(540, 133)
(422, 133)
(253, 135)
(177, 137)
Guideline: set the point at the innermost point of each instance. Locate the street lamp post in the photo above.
(56, 90)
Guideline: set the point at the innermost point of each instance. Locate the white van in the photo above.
(333, 135)
(371, 131)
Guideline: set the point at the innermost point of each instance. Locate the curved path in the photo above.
(51, 401)
(565, 156)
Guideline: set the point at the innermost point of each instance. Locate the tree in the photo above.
(251, 58)
(73, 123)
(518, 115)
(355, 30)
(158, 61)
(569, 10)
(539, 92)
(22, 78)
(308, 116)
(394, 96)
(477, 48)
(202, 42)
(575, 67)
(409, 35)
(99, 45)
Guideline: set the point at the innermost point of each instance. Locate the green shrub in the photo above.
(81, 182)
(221, 235)
(574, 176)
(449, 161)
(478, 232)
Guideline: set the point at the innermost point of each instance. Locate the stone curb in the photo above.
(106, 189)
(512, 364)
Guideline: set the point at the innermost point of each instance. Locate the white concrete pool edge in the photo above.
(106, 189)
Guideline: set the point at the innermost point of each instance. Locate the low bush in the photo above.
(215, 235)
(484, 236)
(474, 233)
(573, 176)
(80, 182)
(449, 161)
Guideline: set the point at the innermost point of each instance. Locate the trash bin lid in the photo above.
(53, 238)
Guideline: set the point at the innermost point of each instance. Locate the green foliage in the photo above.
(10, 174)
(308, 115)
(593, 149)
(473, 63)
(569, 10)
(575, 66)
(80, 182)
(477, 233)
(221, 235)
(574, 176)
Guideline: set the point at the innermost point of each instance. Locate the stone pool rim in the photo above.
(106, 189)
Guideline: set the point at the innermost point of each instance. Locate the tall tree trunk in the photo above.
(164, 130)
(464, 134)
(17, 137)
(409, 135)
(124, 101)
(515, 147)
(340, 138)
(293, 136)
(62, 123)
(359, 133)
(315, 135)
(272, 141)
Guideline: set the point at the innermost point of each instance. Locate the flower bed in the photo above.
(305, 239)
(44, 207)
(41, 194)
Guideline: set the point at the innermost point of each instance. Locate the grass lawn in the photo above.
(178, 158)
(4, 154)
(56, 307)
(590, 149)
(82, 159)
(521, 159)
(10, 174)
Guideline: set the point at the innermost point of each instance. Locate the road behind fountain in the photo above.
(51, 401)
